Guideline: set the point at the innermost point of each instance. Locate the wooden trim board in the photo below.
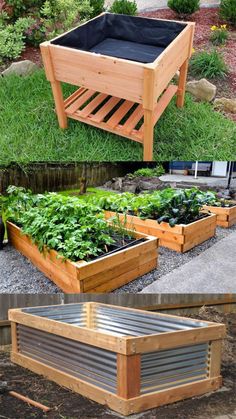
(116, 403)
(127, 345)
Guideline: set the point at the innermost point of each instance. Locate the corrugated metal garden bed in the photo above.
(128, 359)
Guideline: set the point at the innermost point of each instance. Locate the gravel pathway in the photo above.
(18, 275)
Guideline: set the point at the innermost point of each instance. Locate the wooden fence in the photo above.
(177, 303)
(41, 177)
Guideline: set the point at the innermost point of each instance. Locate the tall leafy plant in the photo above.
(75, 229)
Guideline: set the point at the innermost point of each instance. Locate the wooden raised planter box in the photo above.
(130, 360)
(180, 238)
(122, 64)
(101, 275)
(225, 217)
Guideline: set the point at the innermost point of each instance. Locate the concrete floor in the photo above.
(201, 180)
(158, 4)
(214, 269)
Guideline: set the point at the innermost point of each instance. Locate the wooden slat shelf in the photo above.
(92, 107)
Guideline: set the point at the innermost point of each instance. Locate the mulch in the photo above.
(204, 19)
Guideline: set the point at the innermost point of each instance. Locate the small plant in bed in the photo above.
(210, 198)
(180, 206)
(75, 229)
(208, 64)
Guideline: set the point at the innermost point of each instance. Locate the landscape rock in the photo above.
(21, 68)
(202, 89)
(136, 184)
(129, 187)
(227, 105)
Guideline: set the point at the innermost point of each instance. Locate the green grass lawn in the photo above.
(29, 130)
(90, 193)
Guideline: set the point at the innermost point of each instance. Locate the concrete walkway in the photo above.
(213, 271)
(201, 180)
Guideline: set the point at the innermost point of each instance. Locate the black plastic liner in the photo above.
(129, 37)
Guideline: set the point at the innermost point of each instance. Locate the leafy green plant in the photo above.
(180, 206)
(228, 11)
(97, 6)
(148, 172)
(210, 198)
(124, 7)
(219, 34)
(75, 229)
(184, 7)
(208, 64)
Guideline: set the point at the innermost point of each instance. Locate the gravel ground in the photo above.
(18, 275)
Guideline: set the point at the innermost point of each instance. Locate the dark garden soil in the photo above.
(68, 405)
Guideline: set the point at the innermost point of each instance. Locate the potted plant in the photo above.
(72, 243)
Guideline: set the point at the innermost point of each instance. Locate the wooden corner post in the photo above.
(14, 343)
(148, 108)
(55, 84)
(128, 375)
(183, 71)
(215, 358)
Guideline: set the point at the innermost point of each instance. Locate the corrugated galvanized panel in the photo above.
(71, 314)
(89, 363)
(134, 323)
(116, 320)
(169, 368)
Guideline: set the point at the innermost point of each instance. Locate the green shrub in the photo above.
(148, 172)
(219, 35)
(124, 7)
(228, 11)
(12, 39)
(22, 7)
(98, 7)
(208, 64)
(61, 15)
(184, 7)
(35, 33)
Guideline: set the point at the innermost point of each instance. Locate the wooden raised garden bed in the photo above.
(130, 360)
(181, 237)
(122, 64)
(225, 216)
(101, 275)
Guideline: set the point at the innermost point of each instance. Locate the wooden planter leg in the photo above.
(128, 375)
(59, 103)
(182, 84)
(148, 135)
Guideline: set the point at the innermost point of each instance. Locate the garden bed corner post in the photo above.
(183, 72)
(55, 84)
(149, 102)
